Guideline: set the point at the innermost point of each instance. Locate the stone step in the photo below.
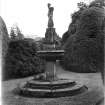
(50, 86)
(69, 91)
(59, 84)
(55, 90)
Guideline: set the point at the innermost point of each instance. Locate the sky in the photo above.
(31, 15)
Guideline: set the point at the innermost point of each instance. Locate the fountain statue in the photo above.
(50, 15)
(48, 84)
(50, 35)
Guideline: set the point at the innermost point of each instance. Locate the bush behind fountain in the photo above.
(84, 50)
(22, 60)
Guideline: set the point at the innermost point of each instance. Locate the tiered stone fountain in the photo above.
(51, 85)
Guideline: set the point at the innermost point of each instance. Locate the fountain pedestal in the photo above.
(50, 35)
(51, 71)
(51, 57)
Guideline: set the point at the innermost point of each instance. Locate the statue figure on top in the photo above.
(51, 40)
(50, 16)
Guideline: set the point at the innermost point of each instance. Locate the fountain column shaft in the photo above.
(51, 71)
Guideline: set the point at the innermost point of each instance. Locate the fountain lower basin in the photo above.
(59, 88)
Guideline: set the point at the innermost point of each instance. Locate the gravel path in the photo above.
(91, 80)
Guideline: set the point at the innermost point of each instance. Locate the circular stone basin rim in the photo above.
(52, 82)
(78, 86)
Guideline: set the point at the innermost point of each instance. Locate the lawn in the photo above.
(91, 80)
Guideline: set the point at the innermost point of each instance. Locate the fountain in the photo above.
(50, 85)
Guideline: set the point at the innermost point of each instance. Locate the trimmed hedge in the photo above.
(22, 60)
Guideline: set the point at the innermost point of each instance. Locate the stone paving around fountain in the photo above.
(91, 80)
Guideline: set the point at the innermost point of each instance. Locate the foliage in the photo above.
(65, 37)
(16, 34)
(97, 3)
(12, 34)
(4, 40)
(22, 59)
(72, 27)
(39, 45)
(84, 50)
(74, 24)
(19, 34)
(82, 5)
